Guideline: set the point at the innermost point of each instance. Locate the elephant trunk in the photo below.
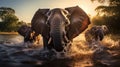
(57, 40)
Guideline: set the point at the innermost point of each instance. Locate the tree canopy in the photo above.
(9, 21)
(108, 15)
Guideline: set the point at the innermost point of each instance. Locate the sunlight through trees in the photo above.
(108, 15)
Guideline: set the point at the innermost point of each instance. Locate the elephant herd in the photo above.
(57, 26)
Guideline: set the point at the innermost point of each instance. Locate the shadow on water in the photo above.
(14, 53)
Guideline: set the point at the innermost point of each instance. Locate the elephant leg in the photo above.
(45, 42)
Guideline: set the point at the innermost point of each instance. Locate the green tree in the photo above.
(5, 11)
(9, 19)
(108, 15)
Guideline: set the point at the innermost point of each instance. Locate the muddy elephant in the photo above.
(59, 26)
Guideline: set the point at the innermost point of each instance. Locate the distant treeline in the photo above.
(9, 22)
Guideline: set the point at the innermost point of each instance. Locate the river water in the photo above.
(11, 38)
(15, 53)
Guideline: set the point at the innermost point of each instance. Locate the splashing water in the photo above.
(110, 43)
(78, 55)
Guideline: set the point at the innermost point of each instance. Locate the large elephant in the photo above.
(59, 26)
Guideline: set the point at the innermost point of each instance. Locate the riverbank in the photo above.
(8, 32)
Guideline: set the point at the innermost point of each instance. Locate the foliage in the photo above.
(10, 21)
(108, 15)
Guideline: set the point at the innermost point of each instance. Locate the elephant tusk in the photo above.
(66, 39)
(50, 39)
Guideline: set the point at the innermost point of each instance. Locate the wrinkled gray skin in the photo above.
(57, 20)
(26, 32)
(59, 26)
(51, 25)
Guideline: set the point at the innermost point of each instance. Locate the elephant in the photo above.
(28, 34)
(59, 26)
(96, 33)
(25, 31)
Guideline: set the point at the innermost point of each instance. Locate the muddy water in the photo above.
(15, 53)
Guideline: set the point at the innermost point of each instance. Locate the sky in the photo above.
(25, 9)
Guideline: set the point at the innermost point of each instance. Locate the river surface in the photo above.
(15, 53)
(11, 38)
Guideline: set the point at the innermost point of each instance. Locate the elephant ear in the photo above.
(39, 19)
(79, 21)
(40, 15)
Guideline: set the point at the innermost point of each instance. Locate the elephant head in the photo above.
(101, 31)
(51, 24)
(58, 21)
(26, 32)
